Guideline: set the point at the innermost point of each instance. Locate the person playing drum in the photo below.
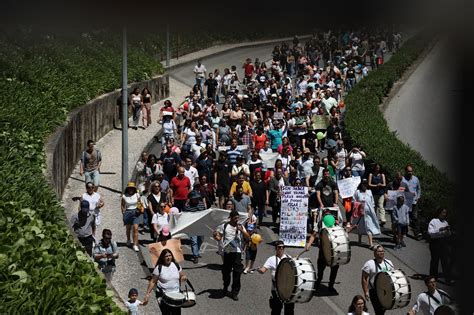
(369, 270)
(166, 279)
(271, 264)
(315, 235)
(427, 302)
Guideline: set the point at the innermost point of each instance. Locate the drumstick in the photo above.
(304, 251)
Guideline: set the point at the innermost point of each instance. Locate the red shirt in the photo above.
(259, 141)
(248, 69)
(180, 187)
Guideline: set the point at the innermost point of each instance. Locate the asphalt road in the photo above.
(206, 276)
(423, 111)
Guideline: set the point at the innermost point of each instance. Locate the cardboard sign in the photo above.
(320, 122)
(174, 245)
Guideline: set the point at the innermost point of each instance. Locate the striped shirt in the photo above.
(232, 155)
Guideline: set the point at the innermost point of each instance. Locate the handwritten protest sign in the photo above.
(320, 121)
(348, 186)
(293, 215)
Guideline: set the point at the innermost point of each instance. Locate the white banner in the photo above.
(202, 223)
(348, 186)
(293, 215)
(392, 196)
(269, 159)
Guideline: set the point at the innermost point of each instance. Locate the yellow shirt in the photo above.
(246, 188)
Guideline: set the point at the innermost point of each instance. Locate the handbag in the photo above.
(140, 206)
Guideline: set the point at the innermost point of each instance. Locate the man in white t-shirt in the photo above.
(231, 235)
(95, 201)
(271, 264)
(370, 269)
(200, 72)
(191, 172)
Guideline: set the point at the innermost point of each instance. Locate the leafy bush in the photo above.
(42, 78)
(366, 125)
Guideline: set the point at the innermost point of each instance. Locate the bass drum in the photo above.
(174, 299)
(445, 310)
(335, 246)
(295, 280)
(393, 289)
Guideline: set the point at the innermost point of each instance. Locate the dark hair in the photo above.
(428, 279)
(161, 259)
(233, 213)
(106, 232)
(90, 142)
(132, 291)
(354, 300)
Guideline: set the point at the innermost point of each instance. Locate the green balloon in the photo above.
(329, 220)
(320, 135)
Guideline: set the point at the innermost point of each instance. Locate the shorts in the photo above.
(402, 229)
(131, 216)
(250, 254)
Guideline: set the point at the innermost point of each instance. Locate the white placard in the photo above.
(224, 148)
(293, 215)
(269, 159)
(278, 115)
(392, 196)
(348, 186)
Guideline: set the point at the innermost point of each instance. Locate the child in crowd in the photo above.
(401, 219)
(133, 302)
(251, 246)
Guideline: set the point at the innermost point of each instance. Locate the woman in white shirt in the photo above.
(357, 157)
(166, 278)
(358, 306)
(130, 213)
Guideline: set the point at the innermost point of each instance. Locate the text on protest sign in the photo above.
(293, 215)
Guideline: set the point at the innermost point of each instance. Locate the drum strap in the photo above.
(441, 293)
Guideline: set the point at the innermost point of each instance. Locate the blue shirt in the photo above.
(413, 186)
(275, 138)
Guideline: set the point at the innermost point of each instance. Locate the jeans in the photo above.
(200, 83)
(92, 176)
(358, 173)
(196, 242)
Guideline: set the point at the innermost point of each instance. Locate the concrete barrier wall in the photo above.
(91, 121)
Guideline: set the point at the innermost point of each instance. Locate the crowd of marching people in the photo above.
(234, 143)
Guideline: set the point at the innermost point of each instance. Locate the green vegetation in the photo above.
(42, 78)
(366, 125)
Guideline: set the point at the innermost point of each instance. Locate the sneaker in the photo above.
(397, 247)
(225, 292)
(251, 271)
(135, 248)
(195, 259)
(129, 243)
(245, 271)
(403, 244)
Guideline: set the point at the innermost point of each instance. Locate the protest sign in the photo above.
(269, 159)
(348, 186)
(320, 122)
(293, 215)
(174, 245)
(392, 196)
(278, 115)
